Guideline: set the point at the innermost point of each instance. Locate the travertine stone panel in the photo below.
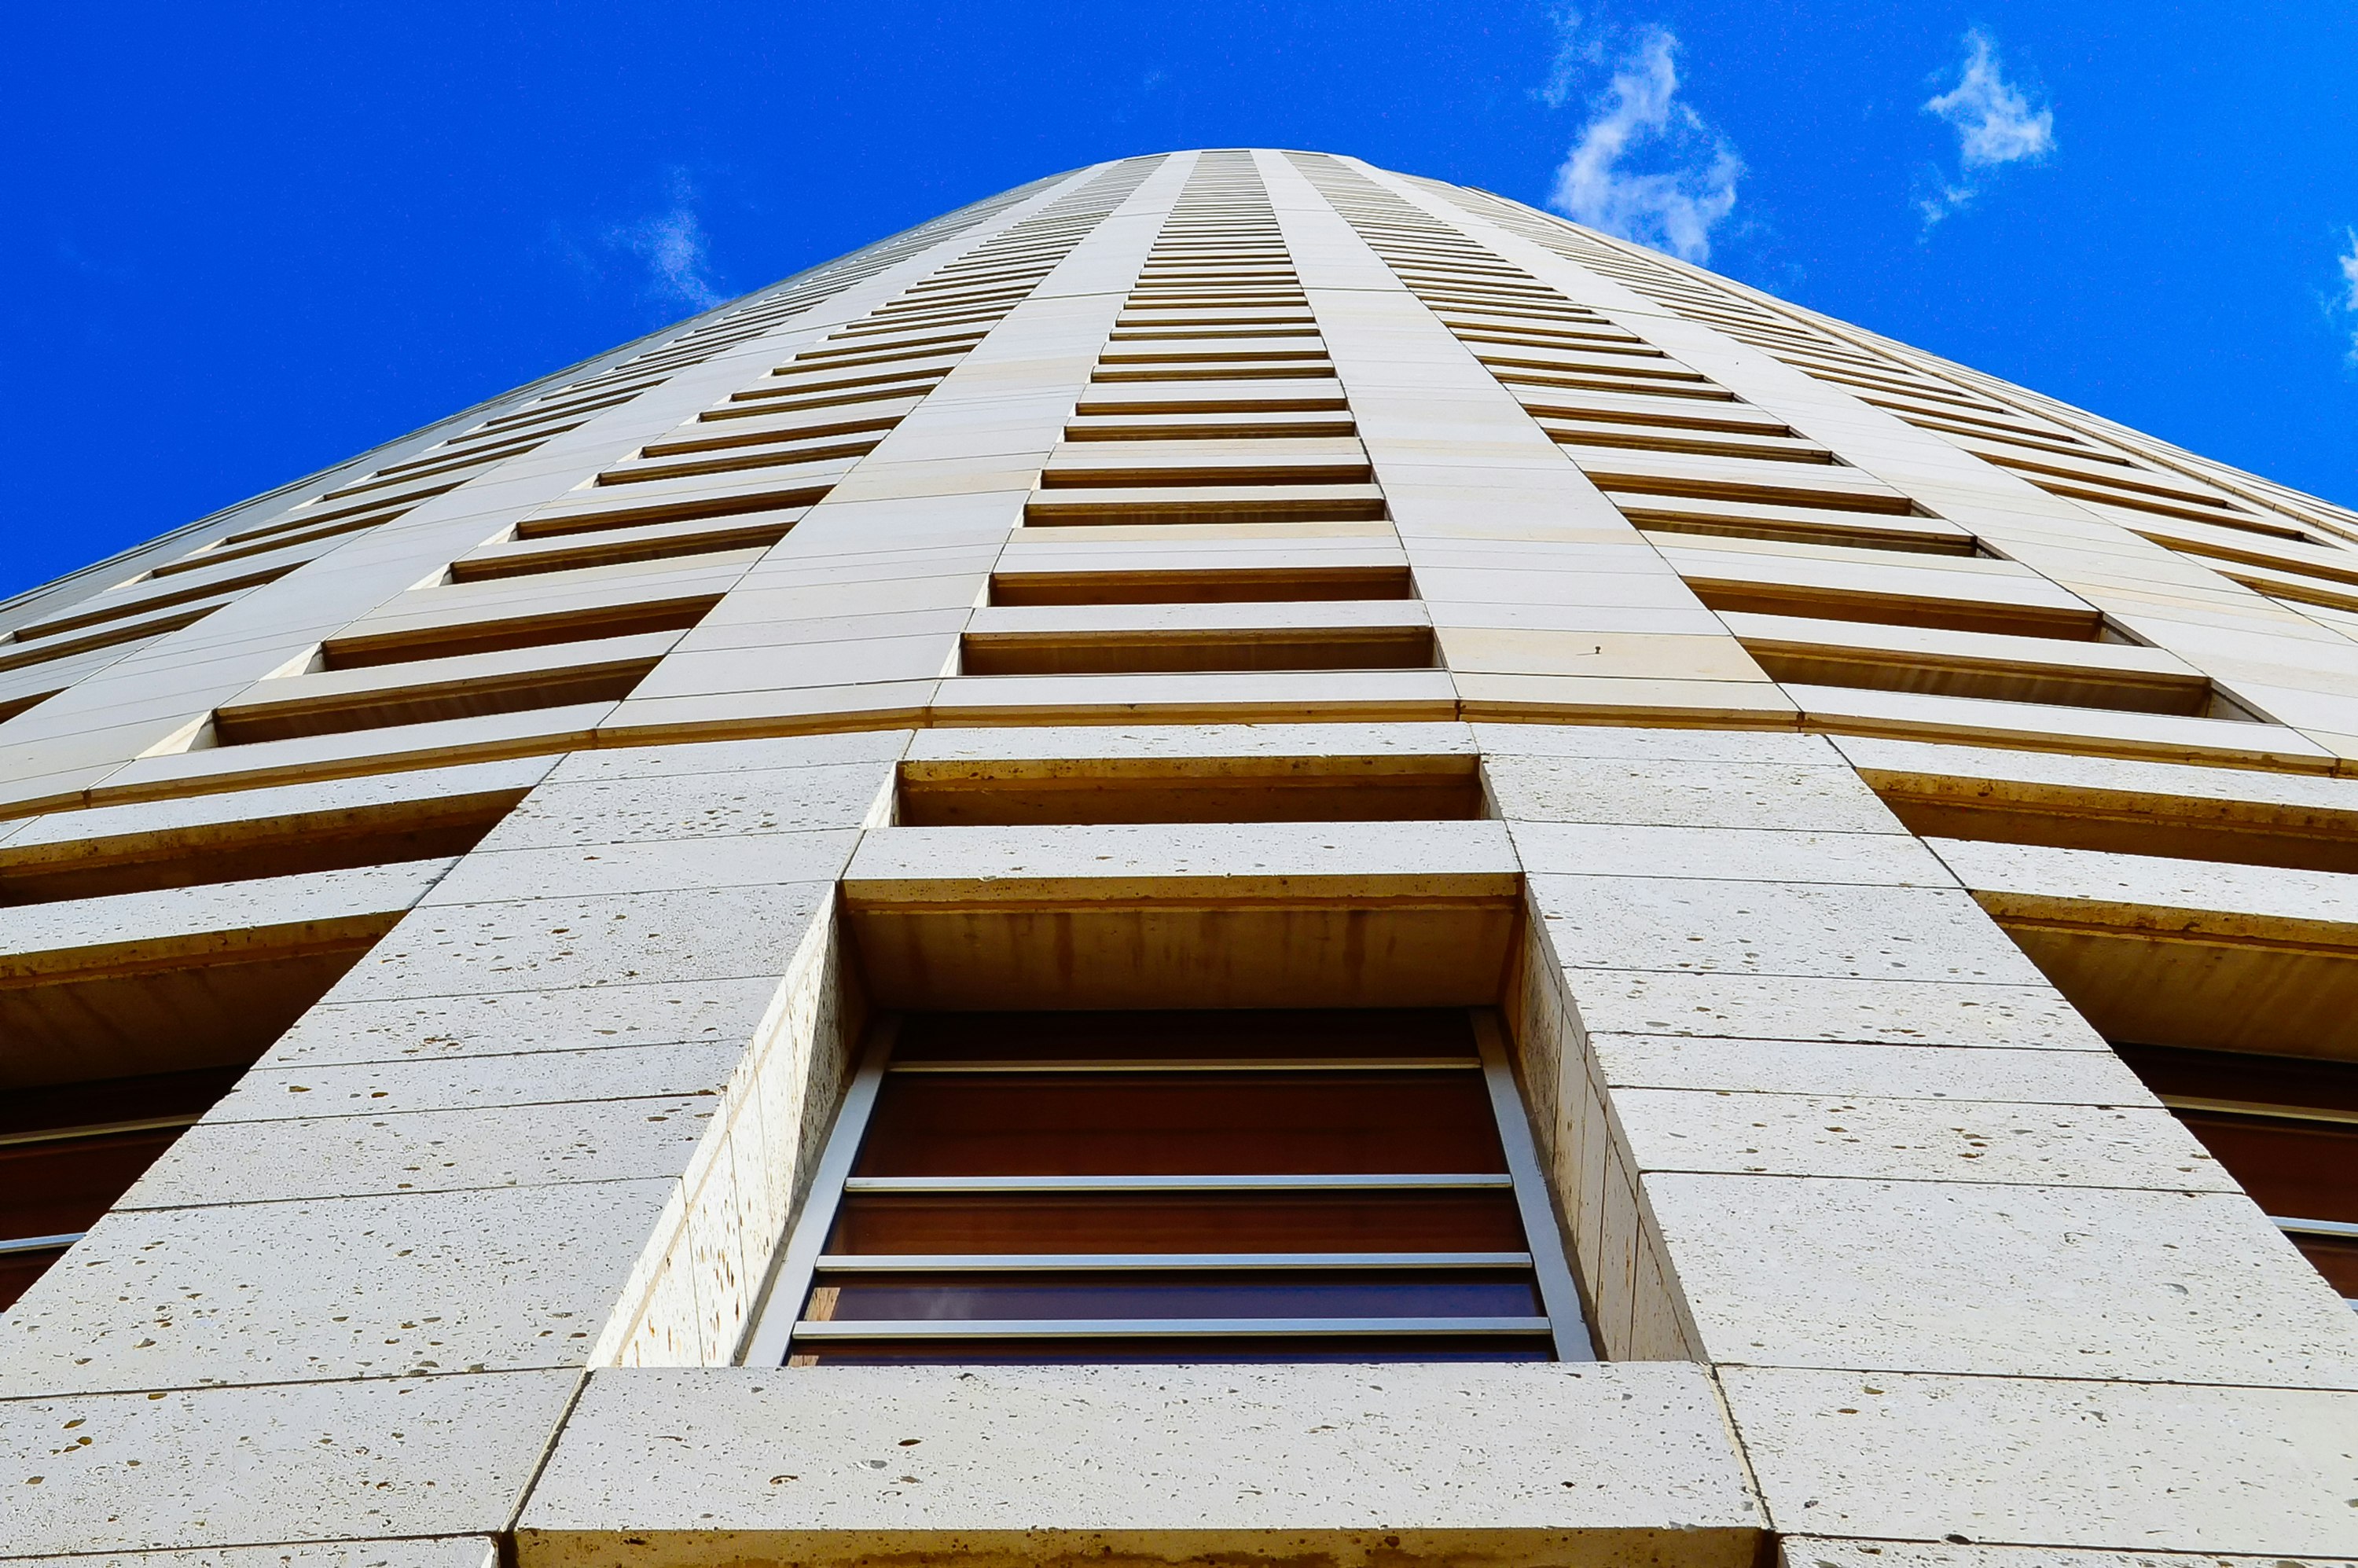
(2006, 1461)
(396, 1286)
(1870, 1012)
(2162, 737)
(1170, 914)
(1245, 696)
(1963, 1073)
(345, 1461)
(1819, 1552)
(617, 939)
(1316, 743)
(1906, 1137)
(2024, 1281)
(2195, 897)
(2283, 803)
(1834, 929)
(442, 1551)
(527, 1020)
(1762, 857)
(1671, 747)
(543, 731)
(388, 1151)
(1587, 1465)
(1121, 860)
(86, 934)
(730, 805)
(293, 1091)
(197, 822)
(1815, 797)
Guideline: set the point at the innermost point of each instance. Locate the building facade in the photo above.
(1233, 859)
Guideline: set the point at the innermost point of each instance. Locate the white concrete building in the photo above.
(1234, 859)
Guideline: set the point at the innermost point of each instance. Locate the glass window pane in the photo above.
(1192, 1123)
(1478, 1221)
(1382, 1293)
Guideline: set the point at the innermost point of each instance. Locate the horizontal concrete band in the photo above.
(1507, 1464)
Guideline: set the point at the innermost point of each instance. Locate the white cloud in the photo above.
(1575, 52)
(1637, 119)
(674, 249)
(2348, 262)
(1995, 123)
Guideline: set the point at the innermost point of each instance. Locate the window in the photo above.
(69, 1151)
(1177, 1187)
(2286, 1127)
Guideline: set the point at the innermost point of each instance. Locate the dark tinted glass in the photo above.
(2297, 1170)
(1033, 1036)
(2336, 1259)
(1478, 1221)
(45, 1188)
(2241, 1076)
(1376, 1293)
(1171, 1351)
(1180, 1123)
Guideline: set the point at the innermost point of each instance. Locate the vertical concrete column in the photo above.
(1819, 1123)
(863, 606)
(1545, 601)
(558, 1118)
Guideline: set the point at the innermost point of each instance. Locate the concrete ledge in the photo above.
(1470, 1465)
(1187, 914)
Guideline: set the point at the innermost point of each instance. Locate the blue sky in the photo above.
(247, 241)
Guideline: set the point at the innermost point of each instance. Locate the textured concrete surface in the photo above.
(1200, 1461)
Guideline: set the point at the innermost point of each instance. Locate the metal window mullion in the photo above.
(790, 1277)
(1166, 1327)
(11, 1245)
(99, 1130)
(1203, 1065)
(1566, 1320)
(2260, 1110)
(2324, 1229)
(1141, 1262)
(1350, 1180)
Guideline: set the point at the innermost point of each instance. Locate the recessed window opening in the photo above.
(69, 1152)
(606, 671)
(495, 634)
(1238, 585)
(2286, 1127)
(1062, 1188)
(1375, 647)
(286, 843)
(1885, 608)
(1386, 788)
(1933, 805)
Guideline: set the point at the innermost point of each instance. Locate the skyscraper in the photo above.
(1234, 859)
